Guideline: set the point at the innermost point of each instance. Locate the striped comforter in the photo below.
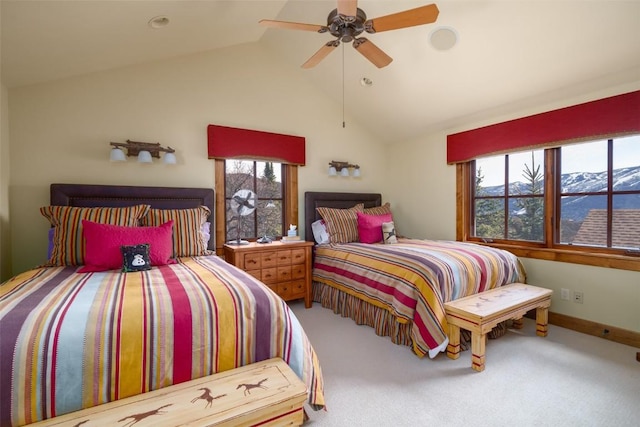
(73, 340)
(414, 278)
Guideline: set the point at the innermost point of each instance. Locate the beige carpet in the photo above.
(565, 379)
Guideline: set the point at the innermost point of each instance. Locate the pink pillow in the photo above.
(370, 227)
(103, 241)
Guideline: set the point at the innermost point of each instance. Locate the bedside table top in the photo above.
(276, 244)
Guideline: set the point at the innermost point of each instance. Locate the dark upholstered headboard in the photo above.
(315, 199)
(83, 195)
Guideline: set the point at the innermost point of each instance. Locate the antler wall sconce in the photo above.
(145, 151)
(343, 168)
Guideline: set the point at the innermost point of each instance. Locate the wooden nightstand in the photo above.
(284, 267)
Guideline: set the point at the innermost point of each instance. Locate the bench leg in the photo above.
(453, 348)
(478, 342)
(542, 321)
(517, 323)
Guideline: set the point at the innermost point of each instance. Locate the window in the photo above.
(246, 178)
(281, 190)
(576, 203)
(509, 197)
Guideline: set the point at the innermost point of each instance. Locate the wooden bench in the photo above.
(266, 393)
(481, 312)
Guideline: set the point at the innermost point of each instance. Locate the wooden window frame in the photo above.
(289, 197)
(548, 249)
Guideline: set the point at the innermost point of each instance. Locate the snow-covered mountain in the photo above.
(577, 207)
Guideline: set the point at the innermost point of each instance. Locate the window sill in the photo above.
(620, 262)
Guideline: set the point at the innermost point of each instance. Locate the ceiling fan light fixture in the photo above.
(443, 38)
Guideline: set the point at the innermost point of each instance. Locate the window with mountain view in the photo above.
(509, 197)
(258, 184)
(600, 193)
(583, 197)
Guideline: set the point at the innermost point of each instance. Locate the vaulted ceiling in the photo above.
(508, 54)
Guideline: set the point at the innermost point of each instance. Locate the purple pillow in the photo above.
(370, 227)
(103, 242)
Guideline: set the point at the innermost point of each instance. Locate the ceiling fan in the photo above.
(348, 21)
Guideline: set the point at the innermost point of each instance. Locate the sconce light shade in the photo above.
(343, 169)
(145, 151)
(144, 157)
(169, 159)
(117, 155)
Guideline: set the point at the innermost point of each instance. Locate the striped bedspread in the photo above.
(414, 278)
(73, 340)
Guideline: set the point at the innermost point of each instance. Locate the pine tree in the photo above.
(489, 213)
(530, 223)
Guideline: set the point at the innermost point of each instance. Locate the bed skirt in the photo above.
(382, 321)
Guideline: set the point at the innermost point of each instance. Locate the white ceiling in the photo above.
(509, 53)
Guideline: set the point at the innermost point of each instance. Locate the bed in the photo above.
(398, 289)
(71, 339)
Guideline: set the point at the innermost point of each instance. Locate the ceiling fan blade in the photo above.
(348, 7)
(294, 26)
(409, 18)
(372, 52)
(321, 54)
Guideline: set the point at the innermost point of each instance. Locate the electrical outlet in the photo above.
(578, 297)
(564, 294)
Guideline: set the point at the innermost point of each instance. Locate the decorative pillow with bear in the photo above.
(370, 227)
(342, 224)
(103, 244)
(135, 258)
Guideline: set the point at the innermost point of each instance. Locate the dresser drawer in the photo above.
(284, 273)
(284, 257)
(269, 275)
(269, 259)
(298, 256)
(298, 271)
(291, 290)
(251, 261)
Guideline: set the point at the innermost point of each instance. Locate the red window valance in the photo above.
(617, 115)
(234, 143)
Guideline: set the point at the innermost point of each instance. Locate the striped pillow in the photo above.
(379, 210)
(188, 238)
(342, 224)
(68, 244)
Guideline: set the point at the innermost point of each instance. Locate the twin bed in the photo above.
(400, 288)
(72, 339)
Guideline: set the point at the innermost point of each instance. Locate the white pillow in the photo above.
(320, 232)
(205, 229)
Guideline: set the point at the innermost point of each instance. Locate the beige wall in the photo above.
(60, 131)
(422, 189)
(5, 243)
(5, 248)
